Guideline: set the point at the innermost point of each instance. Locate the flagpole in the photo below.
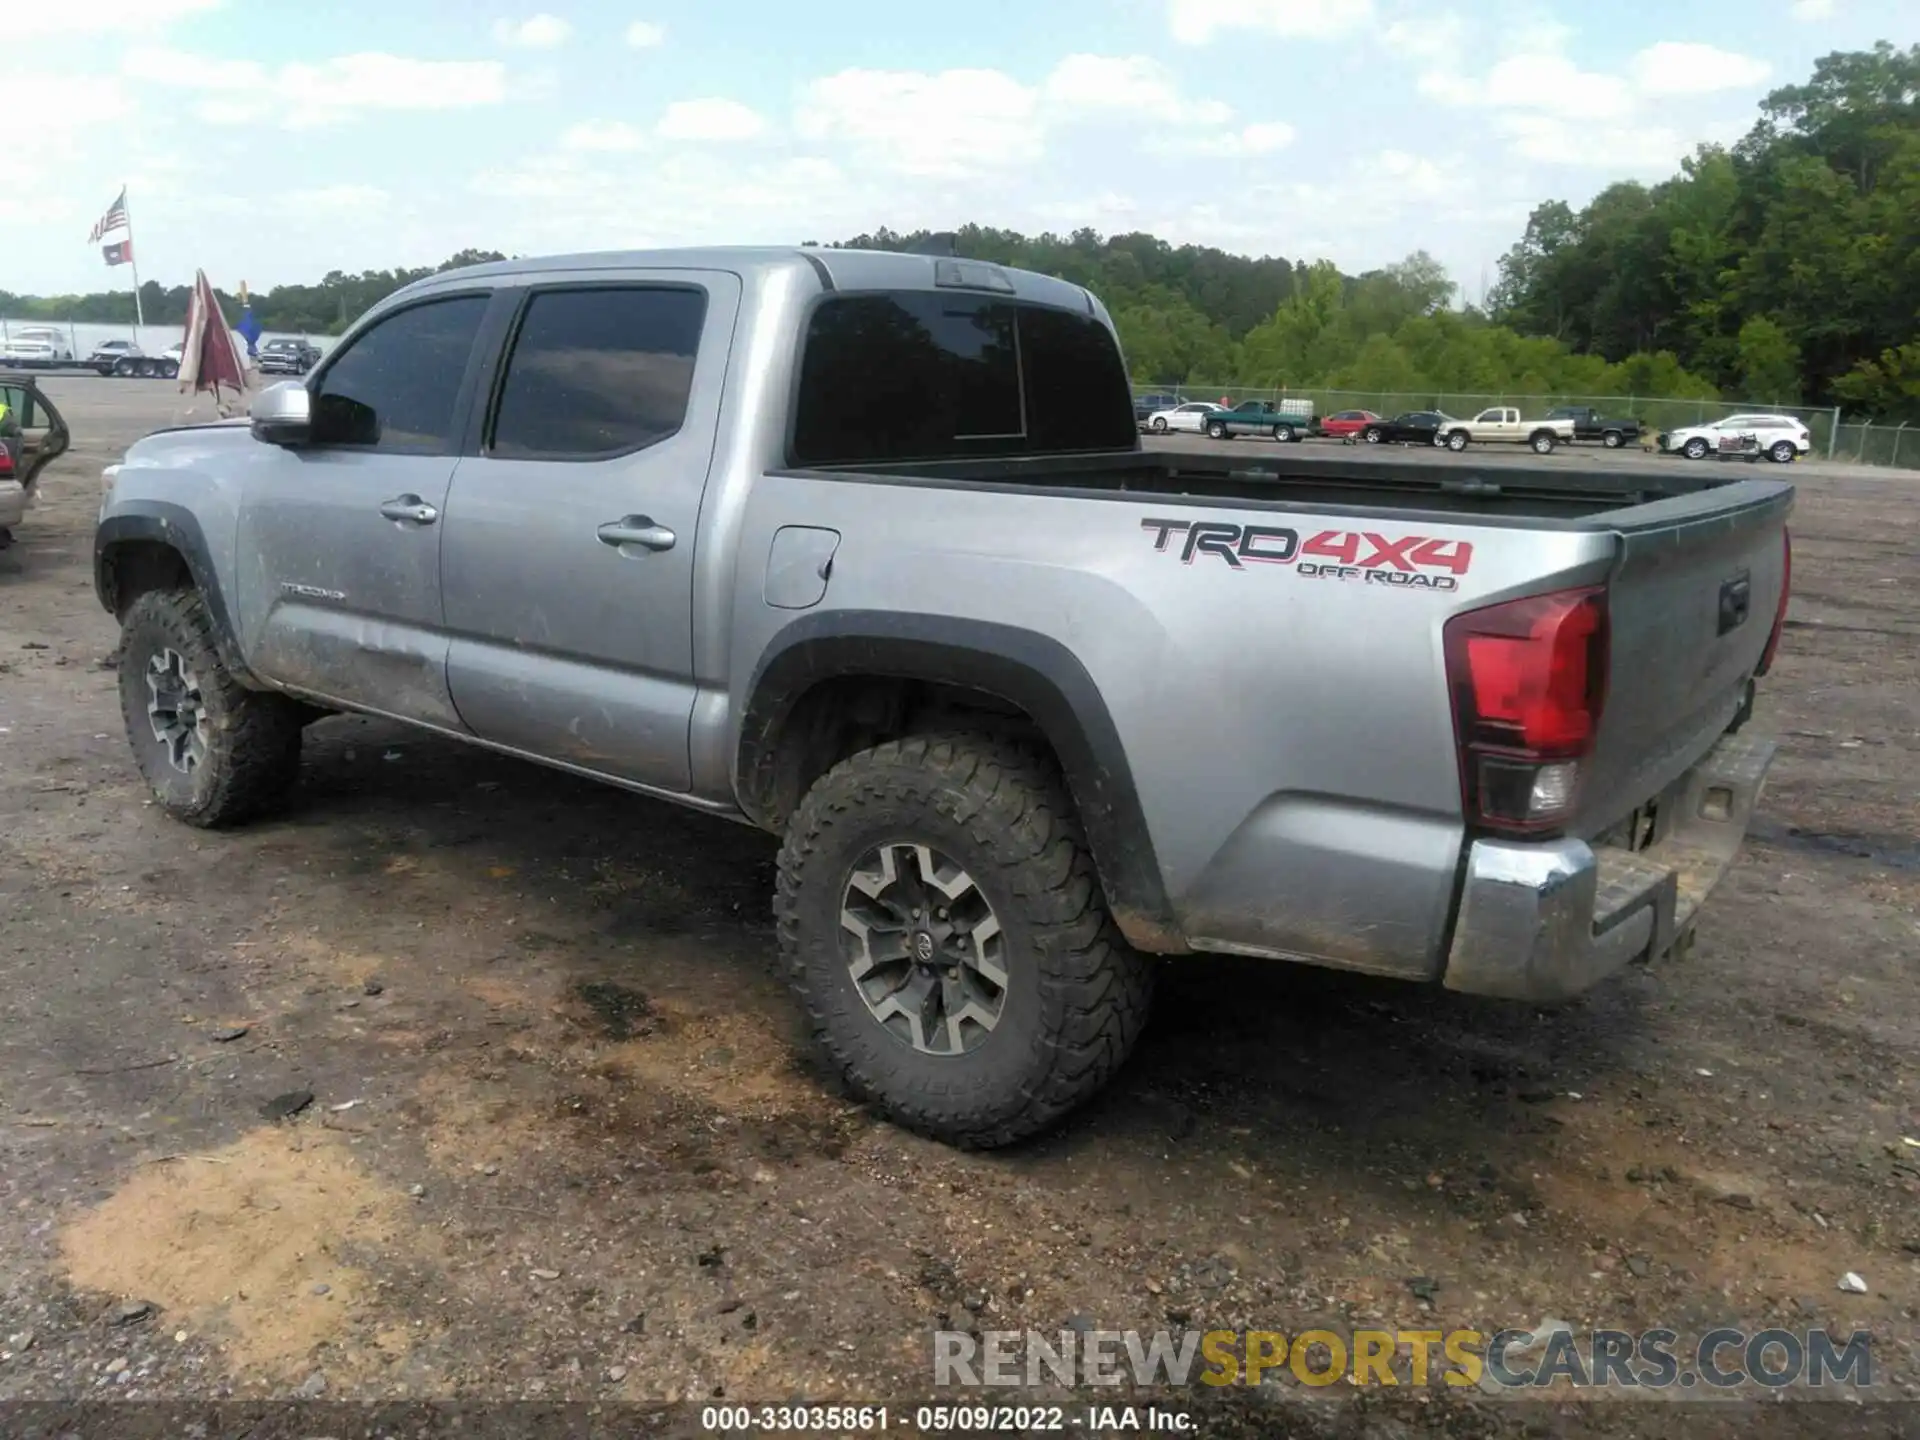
(133, 259)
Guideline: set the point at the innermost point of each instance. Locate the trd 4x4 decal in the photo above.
(1404, 561)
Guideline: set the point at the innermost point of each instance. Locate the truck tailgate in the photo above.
(1691, 605)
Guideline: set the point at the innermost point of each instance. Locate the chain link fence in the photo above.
(1834, 437)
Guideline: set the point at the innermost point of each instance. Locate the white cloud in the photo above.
(949, 123)
(1439, 34)
(298, 95)
(645, 35)
(1673, 68)
(1550, 84)
(1813, 9)
(330, 202)
(1100, 85)
(30, 21)
(604, 137)
(1262, 138)
(536, 32)
(1195, 22)
(714, 119)
(1552, 141)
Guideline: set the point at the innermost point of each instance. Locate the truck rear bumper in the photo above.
(1546, 921)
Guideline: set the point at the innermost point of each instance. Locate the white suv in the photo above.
(1782, 438)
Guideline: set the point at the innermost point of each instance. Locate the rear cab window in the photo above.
(916, 375)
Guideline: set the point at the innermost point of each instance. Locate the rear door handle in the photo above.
(636, 530)
(411, 509)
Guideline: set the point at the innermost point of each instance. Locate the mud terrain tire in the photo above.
(231, 752)
(999, 819)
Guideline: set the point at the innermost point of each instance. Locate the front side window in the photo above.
(928, 375)
(600, 372)
(395, 387)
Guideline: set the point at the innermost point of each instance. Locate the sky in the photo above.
(273, 142)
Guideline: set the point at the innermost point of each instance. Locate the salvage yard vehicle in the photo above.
(1286, 422)
(1413, 427)
(1781, 438)
(36, 347)
(864, 549)
(32, 436)
(1504, 425)
(1592, 424)
(288, 355)
(1189, 415)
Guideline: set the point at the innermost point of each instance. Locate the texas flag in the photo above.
(118, 253)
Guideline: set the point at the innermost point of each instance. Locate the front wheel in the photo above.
(1695, 449)
(1159, 425)
(1457, 441)
(941, 921)
(212, 751)
(1782, 452)
(1374, 437)
(1216, 431)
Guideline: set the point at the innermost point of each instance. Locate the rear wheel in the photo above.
(1613, 439)
(1542, 442)
(1457, 441)
(1781, 452)
(1695, 449)
(212, 751)
(1374, 437)
(1159, 425)
(123, 367)
(941, 921)
(169, 369)
(1284, 434)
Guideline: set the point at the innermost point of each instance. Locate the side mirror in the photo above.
(282, 414)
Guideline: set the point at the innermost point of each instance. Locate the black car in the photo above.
(1145, 405)
(288, 357)
(1415, 427)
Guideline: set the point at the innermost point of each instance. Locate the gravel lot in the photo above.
(564, 1144)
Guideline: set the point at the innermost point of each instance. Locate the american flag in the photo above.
(114, 219)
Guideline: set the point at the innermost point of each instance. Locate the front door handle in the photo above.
(636, 530)
(410, 509)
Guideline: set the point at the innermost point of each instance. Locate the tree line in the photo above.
(1784, 269)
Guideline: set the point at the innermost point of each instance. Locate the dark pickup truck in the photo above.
(1286, 422)
(1592, 424)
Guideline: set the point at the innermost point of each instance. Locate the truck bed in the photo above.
(1484, 489)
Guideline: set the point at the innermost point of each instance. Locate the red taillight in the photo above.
(1780, 611)
(6, 459)
(1529, 678)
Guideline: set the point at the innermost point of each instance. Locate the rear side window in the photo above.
(599, 372)
(927, 375)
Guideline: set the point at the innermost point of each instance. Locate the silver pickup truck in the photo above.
(863, 549)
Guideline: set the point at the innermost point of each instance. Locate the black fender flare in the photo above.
(177, 528)
(1033, 671)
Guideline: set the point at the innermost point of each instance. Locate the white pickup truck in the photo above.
(1503, 424)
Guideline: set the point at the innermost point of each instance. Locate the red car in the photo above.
(1345, 424)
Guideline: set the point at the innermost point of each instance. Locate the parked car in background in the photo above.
(1145, 407)
(1346, 424)
(36, 345)
(1506, 425)
(109, 353)
(1286, 422)
(288, 356)
(1190, 415)
(1415, 427)
(1781, 438)
(1591, 424)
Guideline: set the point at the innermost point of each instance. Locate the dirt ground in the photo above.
(564, 1141)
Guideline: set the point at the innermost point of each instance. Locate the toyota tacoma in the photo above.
(864, 549)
